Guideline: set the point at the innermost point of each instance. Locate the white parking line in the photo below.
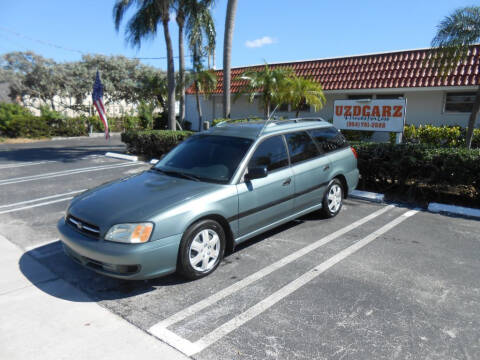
(36, 205)
(30, 163)
(265, 271)
(64, 173)
(190, 348)
(40, 199)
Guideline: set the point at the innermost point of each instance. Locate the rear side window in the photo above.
(270, 153)
(301, 147)
(329, 139)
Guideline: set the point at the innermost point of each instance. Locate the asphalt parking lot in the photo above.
(379, 281)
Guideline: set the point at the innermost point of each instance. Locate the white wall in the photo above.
(423, 107)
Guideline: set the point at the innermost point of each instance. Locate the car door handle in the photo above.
(287, 182)
(326, 167)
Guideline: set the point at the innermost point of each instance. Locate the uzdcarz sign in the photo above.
(370, 115)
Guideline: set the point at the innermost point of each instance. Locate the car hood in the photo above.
(134, 199)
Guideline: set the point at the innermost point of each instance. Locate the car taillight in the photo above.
(354, 152)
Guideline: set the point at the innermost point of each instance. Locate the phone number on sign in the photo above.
(365, 124)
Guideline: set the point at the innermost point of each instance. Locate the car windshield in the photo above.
(205, 157)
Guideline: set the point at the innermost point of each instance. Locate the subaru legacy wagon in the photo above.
(213, 191)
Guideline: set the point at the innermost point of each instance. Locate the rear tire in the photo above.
(201, 249)
(333, 199)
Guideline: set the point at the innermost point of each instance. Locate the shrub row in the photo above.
(16, 121)
(153, 143)
(438, 135)
(417, 171)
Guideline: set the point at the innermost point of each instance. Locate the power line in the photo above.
(40, 41)
(47, 43)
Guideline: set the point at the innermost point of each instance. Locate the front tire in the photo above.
(201, 249)
(333, 199)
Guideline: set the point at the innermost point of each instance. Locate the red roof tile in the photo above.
(378, 71)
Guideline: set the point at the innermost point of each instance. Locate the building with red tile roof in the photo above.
(431, 97)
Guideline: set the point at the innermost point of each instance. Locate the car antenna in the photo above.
(268, 119)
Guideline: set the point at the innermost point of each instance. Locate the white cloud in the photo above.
(266, 40)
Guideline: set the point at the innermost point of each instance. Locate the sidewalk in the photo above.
(36, 325)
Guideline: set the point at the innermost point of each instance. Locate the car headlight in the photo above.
(130, 233)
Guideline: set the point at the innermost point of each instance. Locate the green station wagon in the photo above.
(213, 191)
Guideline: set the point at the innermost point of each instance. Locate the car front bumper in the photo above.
(125, 261)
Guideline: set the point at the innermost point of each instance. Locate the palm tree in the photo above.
(198, 12)
(298, 91)
(454, 36)
(142, 25)
(181, 9)
(204, 81)
(201, 30)
(268, 83)
(227, 54)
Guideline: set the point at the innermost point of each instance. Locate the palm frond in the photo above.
(454, 36)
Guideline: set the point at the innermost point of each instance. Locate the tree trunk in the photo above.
(267, 109)
(472, 119)
(227, 55)
(181, 54)
(199, 107)
(213, 58)
(297, 113)
(170, 76)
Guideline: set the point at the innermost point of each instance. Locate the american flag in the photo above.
(97, 97)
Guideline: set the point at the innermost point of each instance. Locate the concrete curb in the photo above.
(454, 210)
(55, 138)
(435, 208)
(122, 156)
(101, 134)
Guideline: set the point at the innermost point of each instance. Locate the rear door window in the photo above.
(270, 153)
(329, 139)
(301, 147)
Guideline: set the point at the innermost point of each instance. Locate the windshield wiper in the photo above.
(187, 176)
(178, 174)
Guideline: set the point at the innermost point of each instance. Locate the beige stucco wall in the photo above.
(423, 107)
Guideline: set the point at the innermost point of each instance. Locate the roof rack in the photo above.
(275, 120)
(270, 121)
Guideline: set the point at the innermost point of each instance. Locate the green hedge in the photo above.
(153, 143)
(17, 121)
(452, 136)
(419, 172)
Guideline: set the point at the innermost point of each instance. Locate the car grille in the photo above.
(83, 227)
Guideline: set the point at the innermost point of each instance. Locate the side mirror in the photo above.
(256, 173)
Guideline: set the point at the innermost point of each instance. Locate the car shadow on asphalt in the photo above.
(60, 154)
(98, 287)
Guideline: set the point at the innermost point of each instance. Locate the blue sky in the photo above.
(265, 30)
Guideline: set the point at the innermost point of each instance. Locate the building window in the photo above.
(281, 108)
(459, 102)
(304, 107)
(359, 96)
(389, 96)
